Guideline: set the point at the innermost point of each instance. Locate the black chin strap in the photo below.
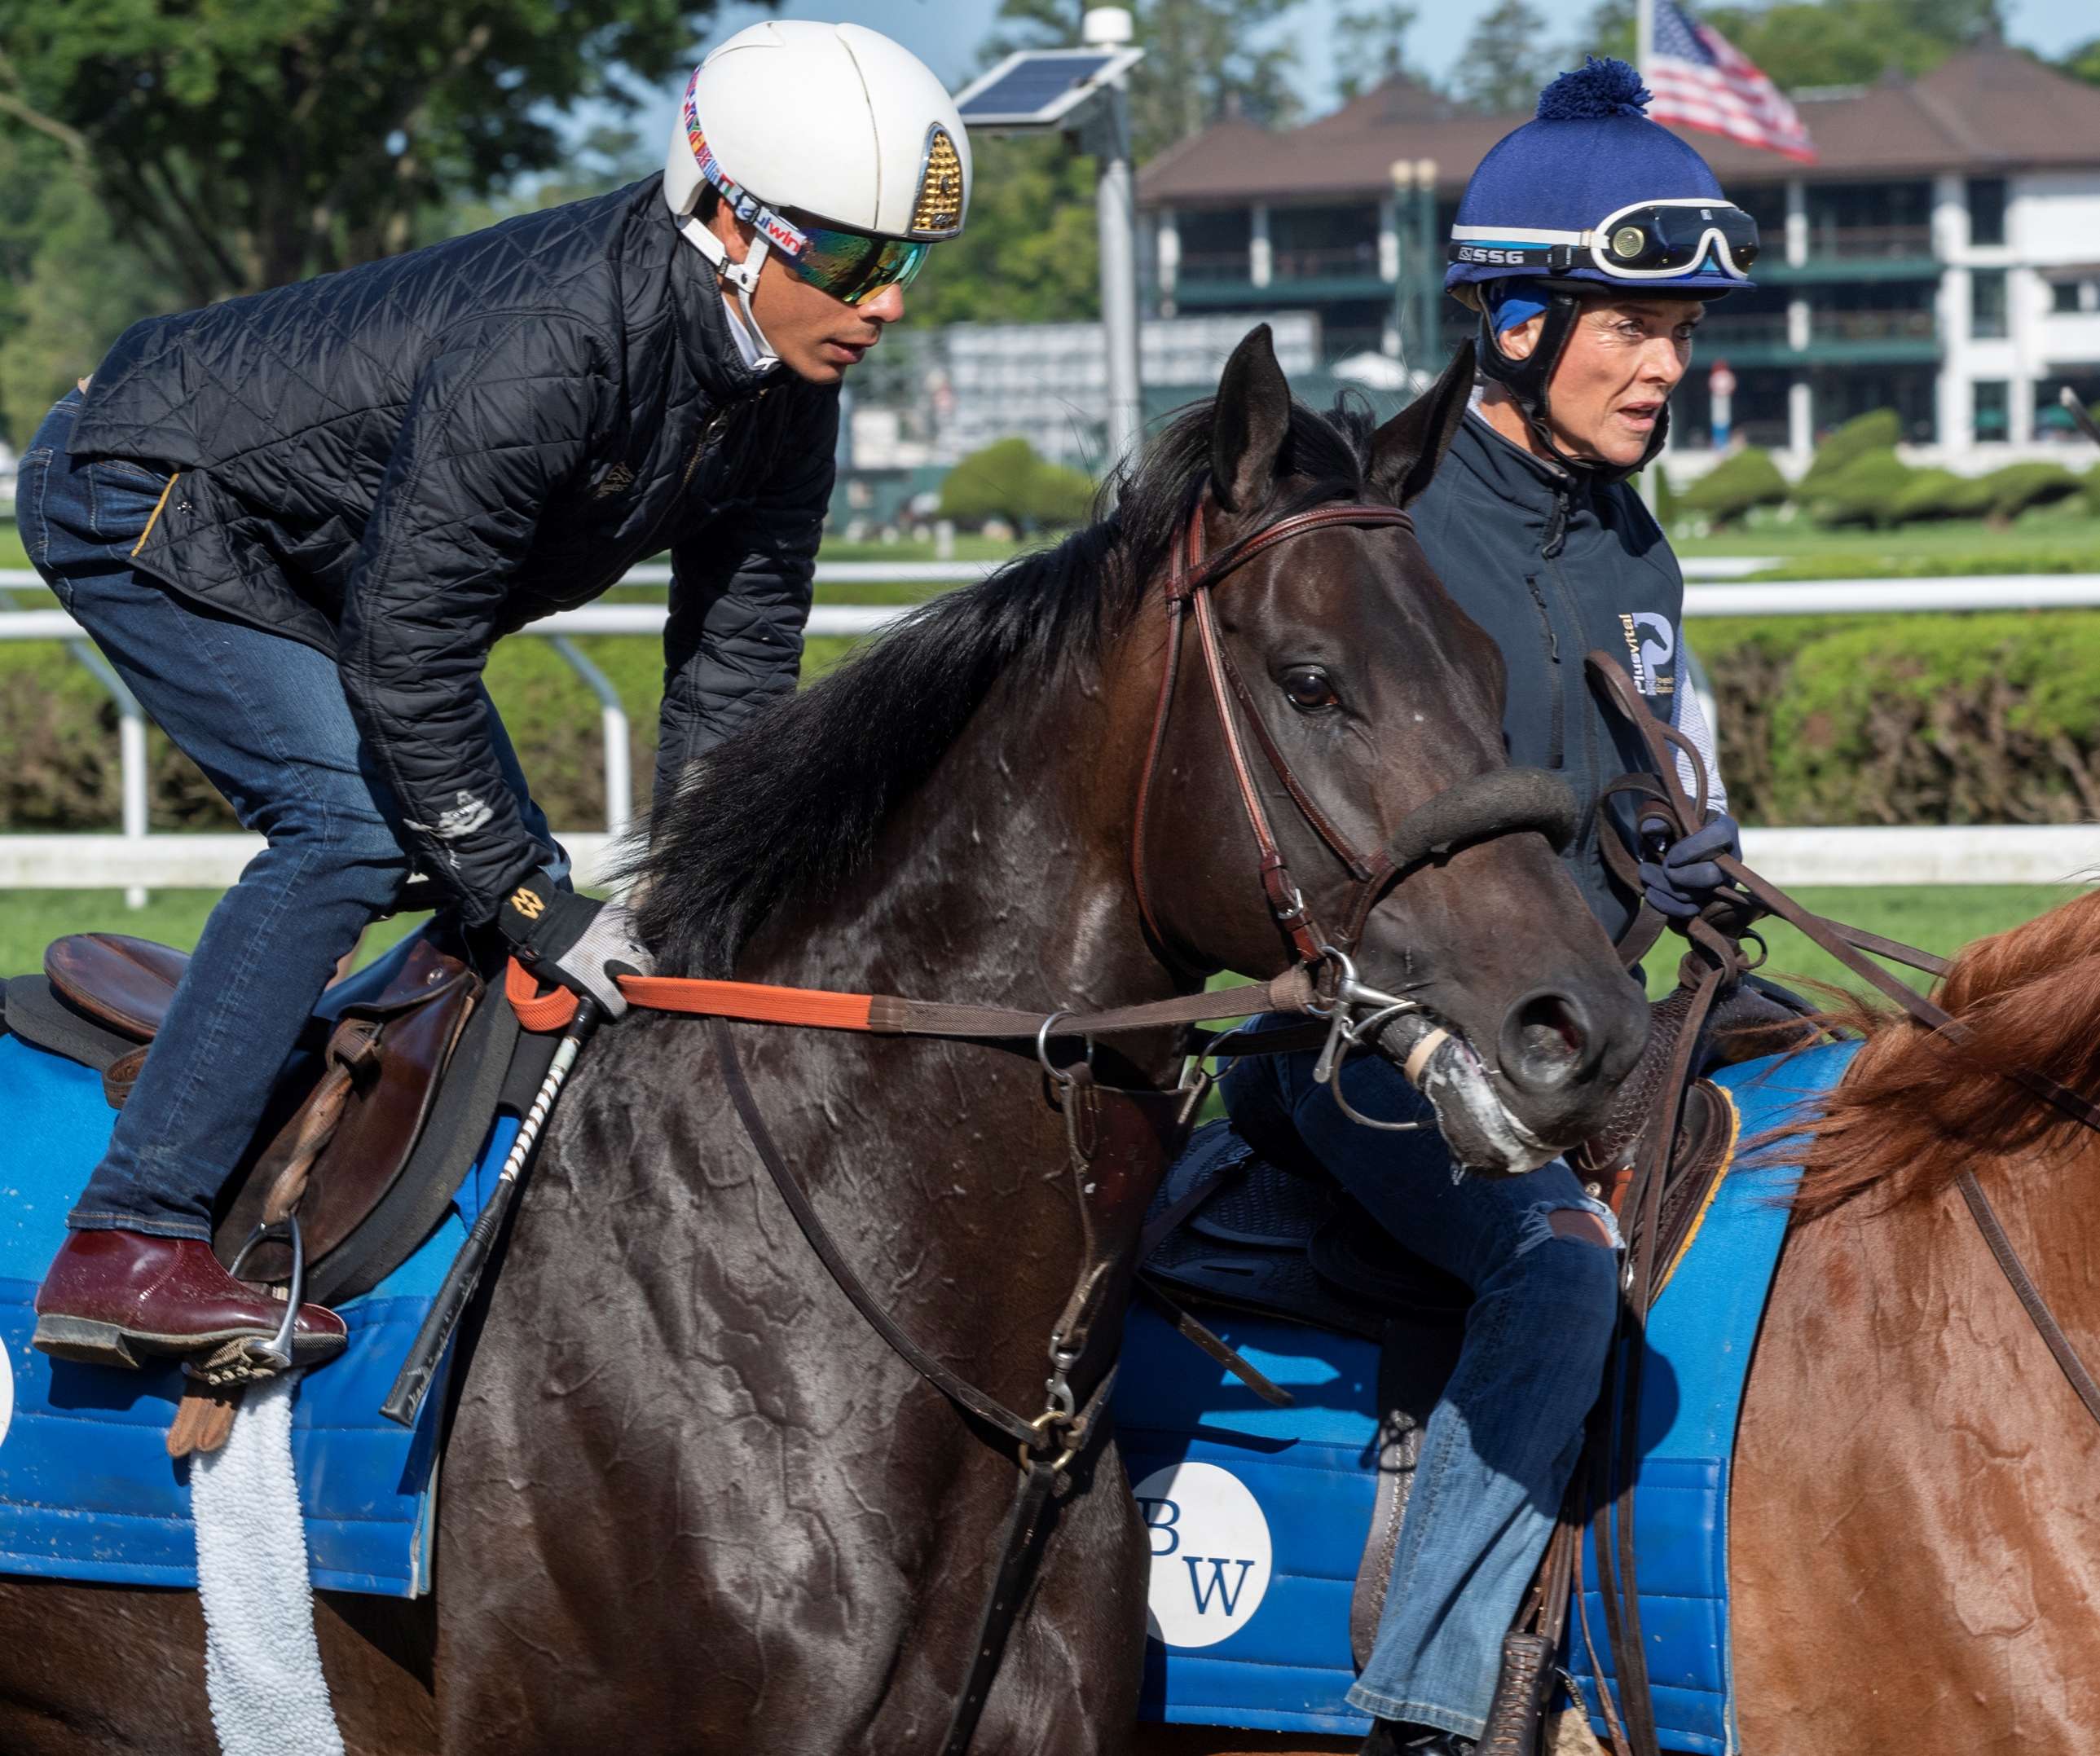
(1528, 381)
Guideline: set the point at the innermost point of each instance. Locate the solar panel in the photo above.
(1037, 88)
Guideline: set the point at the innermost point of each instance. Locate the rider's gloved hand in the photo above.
(1683, 880)
(572, 940)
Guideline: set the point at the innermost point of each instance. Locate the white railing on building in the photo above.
(2023, 853)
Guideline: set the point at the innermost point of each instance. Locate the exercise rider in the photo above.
(295, 523)
(1588, 240)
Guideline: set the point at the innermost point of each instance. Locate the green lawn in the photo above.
(30, 919)
(1940, 919)
(2038, 534)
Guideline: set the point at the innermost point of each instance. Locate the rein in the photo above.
(1675, 813)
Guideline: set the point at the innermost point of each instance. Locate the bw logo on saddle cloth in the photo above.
(528, 904)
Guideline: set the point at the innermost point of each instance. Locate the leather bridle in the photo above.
(1190, 577)
(1498, 802)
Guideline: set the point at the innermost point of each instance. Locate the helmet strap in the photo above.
(1530, 381)
(743, 277)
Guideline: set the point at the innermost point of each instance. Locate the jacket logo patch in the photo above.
(1651, 644)
(468, 814)
(528, 904)
(618, 480)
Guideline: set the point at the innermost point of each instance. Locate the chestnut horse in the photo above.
(689, 1501)
(1914, 1554)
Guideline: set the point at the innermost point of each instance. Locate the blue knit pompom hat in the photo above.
(1592, 152)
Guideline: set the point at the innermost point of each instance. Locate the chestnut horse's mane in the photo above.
(1917, 1110)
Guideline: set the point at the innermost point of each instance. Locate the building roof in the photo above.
(1986, 111)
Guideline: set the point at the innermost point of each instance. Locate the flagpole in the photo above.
(1643, 34)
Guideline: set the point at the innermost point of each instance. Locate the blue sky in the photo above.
(946, 34)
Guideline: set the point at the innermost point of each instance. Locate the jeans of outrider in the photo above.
(1502, 1442)
(265, 720)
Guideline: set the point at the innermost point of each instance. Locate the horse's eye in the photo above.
(1310, 688)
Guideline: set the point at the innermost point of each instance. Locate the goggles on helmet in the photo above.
(1646, 240)
(853, 266)
(1656, 238)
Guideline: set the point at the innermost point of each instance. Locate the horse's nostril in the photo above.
(1548, 1029)
(1544, 1039)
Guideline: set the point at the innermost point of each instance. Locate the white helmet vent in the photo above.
(938, 211)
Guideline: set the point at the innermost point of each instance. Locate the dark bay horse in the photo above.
(689, 1501)
(1915, 1548)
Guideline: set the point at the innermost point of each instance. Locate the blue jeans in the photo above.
(265, 720)
(1503, 1440)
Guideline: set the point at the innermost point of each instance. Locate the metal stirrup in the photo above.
(276, 1352)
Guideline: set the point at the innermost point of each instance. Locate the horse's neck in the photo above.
(1007, 879)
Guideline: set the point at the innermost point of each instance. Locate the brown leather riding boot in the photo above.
(112, 1298)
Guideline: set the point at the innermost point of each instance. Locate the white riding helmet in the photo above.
(833, 121)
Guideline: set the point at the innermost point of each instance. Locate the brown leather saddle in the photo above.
(374, 1121)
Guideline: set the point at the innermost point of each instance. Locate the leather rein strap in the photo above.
(887, 1015)
(954, 1387)
(1190, 578)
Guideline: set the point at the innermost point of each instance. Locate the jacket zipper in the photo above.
(714, 427)
(1552, 644)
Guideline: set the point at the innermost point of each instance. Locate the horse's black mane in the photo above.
(792, 804)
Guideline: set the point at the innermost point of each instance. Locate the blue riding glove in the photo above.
(1684, 880)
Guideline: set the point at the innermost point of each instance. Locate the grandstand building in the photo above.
(1942, 258)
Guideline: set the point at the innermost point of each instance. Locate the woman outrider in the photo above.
(1588, 240)
(295, 523)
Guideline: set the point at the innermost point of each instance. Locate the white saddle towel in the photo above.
(262, 1663)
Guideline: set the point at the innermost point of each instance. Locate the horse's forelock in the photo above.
(1916, 1109)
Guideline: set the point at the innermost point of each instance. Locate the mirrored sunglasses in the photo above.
(853, 266)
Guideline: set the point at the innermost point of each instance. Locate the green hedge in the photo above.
(1908, 719)
(1890, 719)
(58, 738)
(1856, 478)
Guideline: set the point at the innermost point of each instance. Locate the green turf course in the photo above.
(30, 919)
(1941, 919)
(2035, 535)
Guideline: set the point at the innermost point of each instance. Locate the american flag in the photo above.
(1704, 81)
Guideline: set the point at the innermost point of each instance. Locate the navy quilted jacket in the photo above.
(402, 462)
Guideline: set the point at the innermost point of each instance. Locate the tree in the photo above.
(1029, 253)
(1370, 47)
(1505, 63)
(2084, 62)
(68, 287)
(1007, 480)
(1609, 29)
(1202, 61)
(242, 146)
(1851, 42)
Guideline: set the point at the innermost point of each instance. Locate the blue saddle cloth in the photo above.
(87, 1489)
(1260, 1515)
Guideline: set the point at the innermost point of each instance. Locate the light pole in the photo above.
(1105, 136)
(1084, 95)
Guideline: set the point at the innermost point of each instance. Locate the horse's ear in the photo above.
(1406, 451)
(1249, 421)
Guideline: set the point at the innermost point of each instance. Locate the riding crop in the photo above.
(405, 1400)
